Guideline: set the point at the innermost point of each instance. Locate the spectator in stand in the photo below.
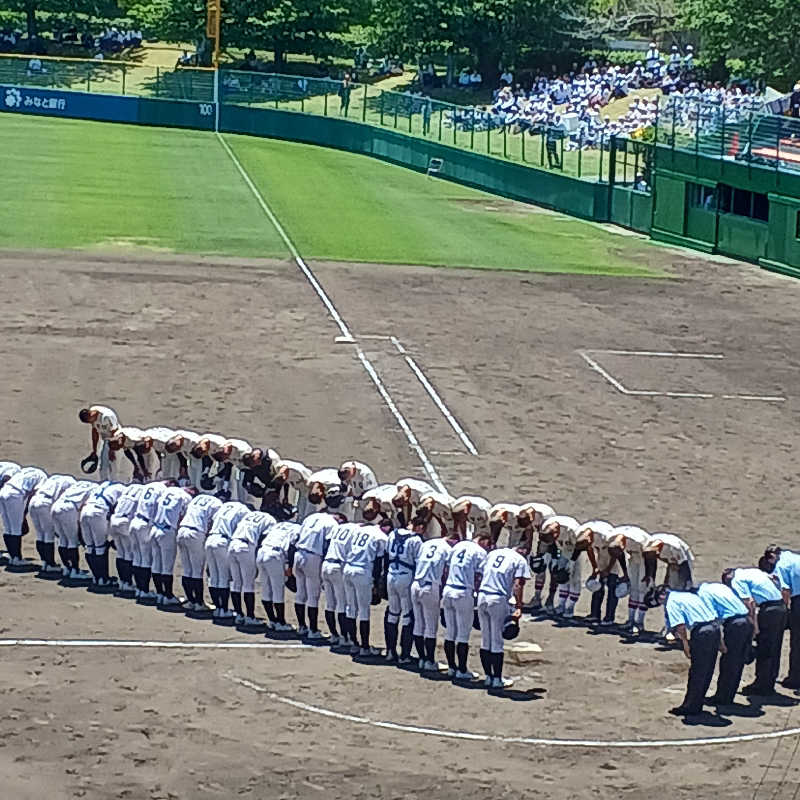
(475, 80)
(794, 101)
(344, 94)
(463, 78)
(507, 77)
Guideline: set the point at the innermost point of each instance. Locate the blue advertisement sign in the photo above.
(113, 108)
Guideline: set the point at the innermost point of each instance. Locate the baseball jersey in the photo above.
(367, 544)
(567, 530)
(539, 511)
(227, 518)
(148, 501)
(752, 583)
(363, 478)
(77, 492)
(315, 530)
(501, 569)
(478, 514)
(107, 421)
(339, 543)
(8, 468)
(636, 539)
(25, 480)
(403, 549)
(129, 499)
(239, 448)
(674, 549)
(467, 560)
(298, 474)
(431, 561)
(603, 531)
(170, 508)
(130, 436)
(160, 437)
(497, 512)
(252, 526)
(104, 498)
(281, 536)
(200, 512)
(416, 487)
(215, 441)
(328, 477)
(52, 487)
(190, 441)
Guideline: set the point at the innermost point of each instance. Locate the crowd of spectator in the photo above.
(110, 41)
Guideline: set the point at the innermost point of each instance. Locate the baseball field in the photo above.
(282, 293)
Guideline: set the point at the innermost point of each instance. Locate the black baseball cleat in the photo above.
(755, 691)
(680, 711)
(788, 683)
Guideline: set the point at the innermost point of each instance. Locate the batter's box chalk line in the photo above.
(154, 644)
(588, 357)
(443, 733)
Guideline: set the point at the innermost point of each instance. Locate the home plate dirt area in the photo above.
(510, 387)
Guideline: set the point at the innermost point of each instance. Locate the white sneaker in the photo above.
(334, 641)
(251, 622)
(431, 666)
(283, 627)
(302, 631)
(79, 575)
(355, 650)
(315, 636)
(171, 601)
(391, 657)
(635, 630)
(216, 612)
(160, 599)
(65, 572)
(487, 682)
(607, 623)
(270, 625)
(451, 673)
(228, 614)
(502, 683)
(51, 568)
(239, 620)
(421, 664)
(151, 596)
(369, 652)
(465, 676)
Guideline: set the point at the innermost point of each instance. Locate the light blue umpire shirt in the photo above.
(686, 608)
(721, 599)
(750, 582)
(787, 571)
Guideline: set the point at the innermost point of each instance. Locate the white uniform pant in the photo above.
(195, 471)
(398, 587)
(493, 611)
(459, 613)
(219, 570)
(425, 601)
(12, 510)
(191, 543)
(94, 529)
(140, 542)
(638, 589)
(118, 532)
(242, 560)
(272, 573)
(571, 590)
(358, 591)
(65, 521)
(308, 572)
(40, 511)
(333, 584)
(171, 466)
(104, 465)
(164, 547)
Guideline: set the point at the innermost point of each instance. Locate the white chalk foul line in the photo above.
(436, 397)
(657, 353)
(159, 645)
(427, 465)
(501, 739)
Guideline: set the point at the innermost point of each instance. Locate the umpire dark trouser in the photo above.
(703, 649)
(771, 625)
(738, 634)
(794, 639)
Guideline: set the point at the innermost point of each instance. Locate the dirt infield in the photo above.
(246, 348)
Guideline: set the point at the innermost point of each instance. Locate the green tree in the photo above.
(105, 9)
(764, 34)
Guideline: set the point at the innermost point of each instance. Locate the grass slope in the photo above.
(79, 184)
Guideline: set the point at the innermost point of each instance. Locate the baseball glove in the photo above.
(291, 583)
(89, 464)
(376, 595)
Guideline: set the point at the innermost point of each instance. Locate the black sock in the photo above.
(50, 554)
(390, 633)
(430, 650)
(363, 627)
(9, 546)
(102, 565)
(450, 653)
(280, 613)
(313, 618)
(199, 590)
(236, 599)
(351, 630)
(249, 604)
(486, 662)
(214, 593)
(63, 554)
(146, 579)
(127, 570)
(462, 651)
(269, 610)
(157, 582)
(330, 621)
(498, 665)
(300, 611)
(406, 640)
(188, 589)
(166, 585)
(91, 560)
(40, 549)
(74, 558)
(419, 643)
(342, 617)
(224, 594)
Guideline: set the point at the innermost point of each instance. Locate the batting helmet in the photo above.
(538, 564)
(651, 597)
(89, 464)
(291, 583)
(510, 628)
(593, 585)
(623, 589)
(561, 575)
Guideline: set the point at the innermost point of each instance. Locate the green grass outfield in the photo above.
(73, 184)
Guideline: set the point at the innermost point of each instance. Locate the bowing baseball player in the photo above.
(433, 513)
(171, 507)
(470, 516)
(503, 523)
(333, 583)
(119, 532)
(593, 538)
(402, 551)
(315, 530)
(318, 485)
(242, 551)
(104, 422)
(177, 452)
(233, 471)
(529, 523)
(258, 478)
(95, 519)
(123, 455)
(15, 497)
(676, 554)
(273, 565)
(203, 470)
(426, 589)
(464, 572)
(357, 478)
(219, 569)
(362, 572)
(503, 582)
(191, 540)
(565, 570)
(408, 493)
(40, 511)
(66, 513)
(141, 538)
(376, 505)
(287, 496)
(7, 469)
(152, 447)
(634, 540)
